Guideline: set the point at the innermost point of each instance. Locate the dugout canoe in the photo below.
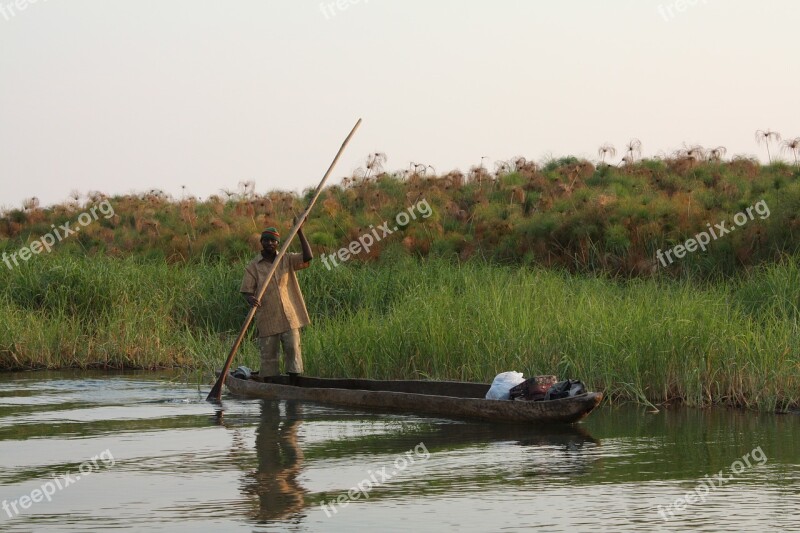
(451, 399)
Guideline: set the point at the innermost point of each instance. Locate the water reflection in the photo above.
(283, 456)
(268, 466)
(280, 460)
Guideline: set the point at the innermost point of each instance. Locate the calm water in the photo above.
(139, 452)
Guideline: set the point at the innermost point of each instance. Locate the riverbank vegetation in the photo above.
(539, 268)
(731, 340)
(566, 213)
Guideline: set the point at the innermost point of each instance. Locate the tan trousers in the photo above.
(292, 357)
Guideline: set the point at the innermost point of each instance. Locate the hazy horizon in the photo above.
(128, 96)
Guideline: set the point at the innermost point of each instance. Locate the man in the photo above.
(282, 311)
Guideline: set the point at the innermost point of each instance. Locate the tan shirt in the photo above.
(282, 307)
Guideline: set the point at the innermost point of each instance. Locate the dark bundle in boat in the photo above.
(533, 389)
(542, 388)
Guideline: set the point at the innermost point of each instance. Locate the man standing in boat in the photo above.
(282, 310)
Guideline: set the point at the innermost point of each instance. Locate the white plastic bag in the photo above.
(502, 384)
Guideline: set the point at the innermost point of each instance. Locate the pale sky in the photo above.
(129, 95)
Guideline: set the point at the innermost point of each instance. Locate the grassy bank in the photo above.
(733, 342)
(567, 214)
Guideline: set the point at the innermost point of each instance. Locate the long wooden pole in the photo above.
(216, 392)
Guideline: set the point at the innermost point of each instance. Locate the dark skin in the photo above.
(270, 246)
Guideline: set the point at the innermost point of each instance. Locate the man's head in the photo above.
(270, 239)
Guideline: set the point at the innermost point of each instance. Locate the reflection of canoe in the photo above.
(443, 434)
(441, 398)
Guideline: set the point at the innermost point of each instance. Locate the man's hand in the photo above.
(252, 301)
(296, 218)
(307, 255)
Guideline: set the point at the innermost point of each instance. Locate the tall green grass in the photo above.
(729, 341)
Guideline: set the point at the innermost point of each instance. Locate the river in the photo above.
(85, 451)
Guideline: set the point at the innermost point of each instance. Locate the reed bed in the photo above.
(567, 214)
(729, 341)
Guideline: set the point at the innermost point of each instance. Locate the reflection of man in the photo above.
(280, 460)
(282, 311)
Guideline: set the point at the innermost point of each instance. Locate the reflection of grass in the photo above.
(731, 342)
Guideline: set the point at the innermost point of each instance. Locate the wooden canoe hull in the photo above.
(564, 411)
